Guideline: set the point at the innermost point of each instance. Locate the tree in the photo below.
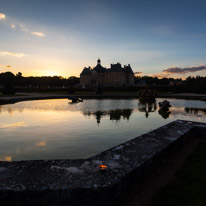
(19, 74)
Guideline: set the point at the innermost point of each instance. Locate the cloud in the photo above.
(178, 70)
(41, 144)
(160, 75)
(12, 54)
(165, 30)
(7, 159)
(138, 73)
(13, 26)
(20, 26)
(25, 29)
(2, 16)
(40, 34)
(5, 66)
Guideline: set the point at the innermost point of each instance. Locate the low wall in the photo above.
(79, 182)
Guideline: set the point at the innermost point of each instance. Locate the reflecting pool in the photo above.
(58, 129)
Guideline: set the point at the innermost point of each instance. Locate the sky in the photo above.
(160, 38)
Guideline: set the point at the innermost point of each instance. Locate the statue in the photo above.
(147, 95)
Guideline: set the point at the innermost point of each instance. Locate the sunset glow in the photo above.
(69, 36)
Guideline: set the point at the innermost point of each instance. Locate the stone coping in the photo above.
(80, 182)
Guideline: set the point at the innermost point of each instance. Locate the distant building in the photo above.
(101, 76)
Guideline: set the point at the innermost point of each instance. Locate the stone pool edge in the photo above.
(79, 182)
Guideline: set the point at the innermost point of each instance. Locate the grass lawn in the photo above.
(107, 93)
(189, 186)
(86, 93)
(10, 95)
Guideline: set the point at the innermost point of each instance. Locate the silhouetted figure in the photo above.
(8, 90)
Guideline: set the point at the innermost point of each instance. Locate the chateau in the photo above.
(101, 76)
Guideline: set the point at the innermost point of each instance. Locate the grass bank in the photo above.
(188, 187)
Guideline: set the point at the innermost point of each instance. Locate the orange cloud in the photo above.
(2, 16)
(138, 73)
(41, 144)
(160, 75)
(8, 66)
(40, 34)
(7, 159)
(12, 54)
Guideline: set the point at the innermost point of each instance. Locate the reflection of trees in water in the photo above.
(10, 110)
(147, 108)
(114, 114)
(191, 110)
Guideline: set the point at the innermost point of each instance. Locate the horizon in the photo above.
(159, 39)
(135, 75)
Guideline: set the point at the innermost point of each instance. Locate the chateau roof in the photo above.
(116, 68)
(128, 69)
(86, 71)
(99, 68)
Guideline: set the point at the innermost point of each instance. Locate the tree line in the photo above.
(195, 84)
(19, 80)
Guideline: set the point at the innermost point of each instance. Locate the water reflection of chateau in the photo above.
(113, 114)
(117, 114)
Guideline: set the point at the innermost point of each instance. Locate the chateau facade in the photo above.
(114, 76)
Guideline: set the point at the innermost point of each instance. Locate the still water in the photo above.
(58, 129)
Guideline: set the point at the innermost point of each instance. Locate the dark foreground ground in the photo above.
(181, 181)
(188, 186)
